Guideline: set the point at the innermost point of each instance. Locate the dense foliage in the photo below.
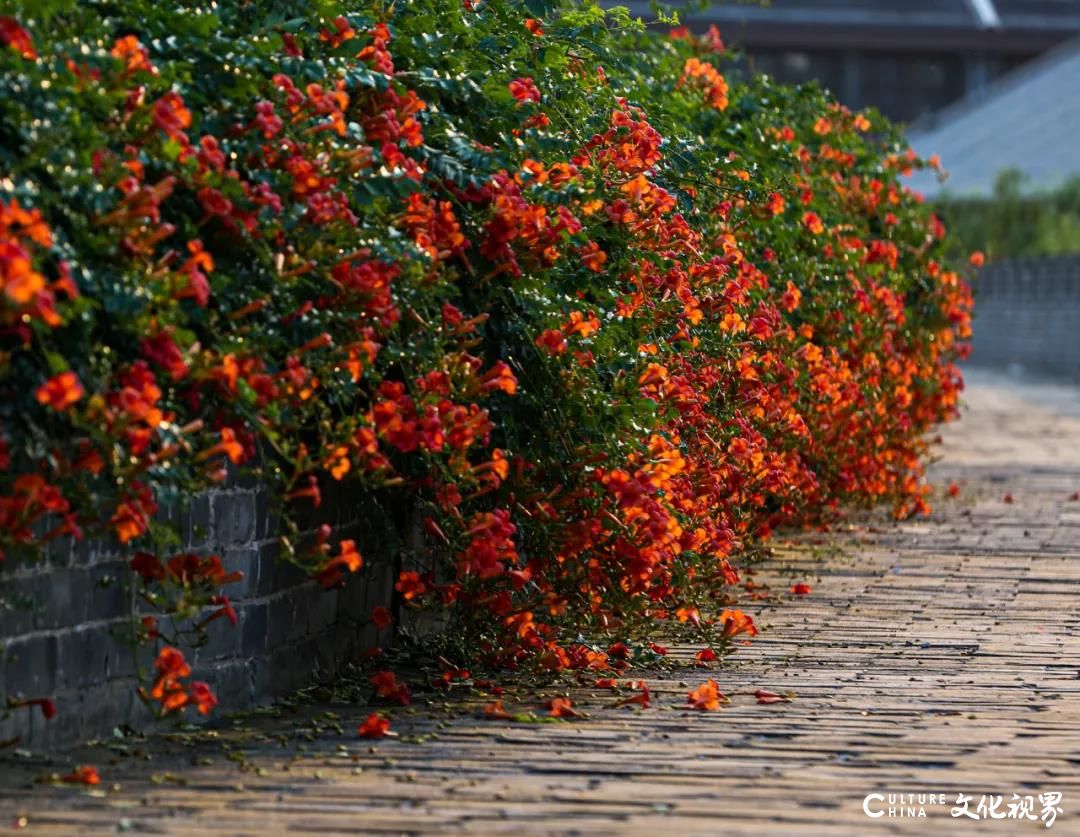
(1016, 220)
(599, 318)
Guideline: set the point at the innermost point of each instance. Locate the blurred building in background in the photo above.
(909, 58)
(1027, 122)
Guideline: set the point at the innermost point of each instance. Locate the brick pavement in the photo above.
(933, 656)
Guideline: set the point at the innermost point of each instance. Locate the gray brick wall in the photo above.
(1027, 317)
(63, 619)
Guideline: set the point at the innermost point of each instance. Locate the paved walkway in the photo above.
(935, 657)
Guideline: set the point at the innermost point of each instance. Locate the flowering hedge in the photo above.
(601, 315)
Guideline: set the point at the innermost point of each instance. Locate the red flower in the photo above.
(705, 655)
(214, 202)
(203, 698)
(450, 677)
(132, 516)
(14, 36)
(171, 116)
(499, 377)
(133, 54)
(46, 705)
(812, 222)
(387, 687)
(226, 609)
(170, 663)
(377, 51)
(562, 708)
(534, 26)
(706, 76)
(311, 491)
(410, 585)
(380, 618)
(707, 696)
(801, 589)
(552, 341)
(162, 350)
(228, 446)
(593, 257)
(375, 726)
(342, 32)
(83, 775)
(348, 559)
(385, 683)
(149, 627)
(524, 90)
(170, 692)
(765, 696)
(791, 298)
(490, 547)
(736, 622)
(496, 711)
(641, 699)
(61, 391)
(148, 566)
(689, 614)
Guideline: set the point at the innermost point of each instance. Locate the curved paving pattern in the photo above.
(934, 657)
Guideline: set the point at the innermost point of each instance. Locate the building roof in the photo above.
(993, 26)
(1028, 120)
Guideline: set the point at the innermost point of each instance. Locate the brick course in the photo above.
(63, 620)
(1027, 317)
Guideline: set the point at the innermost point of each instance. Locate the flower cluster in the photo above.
(601, 332)
(168, 690)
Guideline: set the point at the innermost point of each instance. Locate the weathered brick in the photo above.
(321, 652)
(223, 639)
(380, 587)
(261, 669)
(125, 659)
(353, 596)
(20, 603)
(274, 574)
(169, 511)
(321, 607)
(32, 665)
(62, 599)
(296, 603)
(290, 666)
(231, 682)
(244, 560)
(198, 522)
(93, 550)
(84, 655)
(234, 517)
(12, 726)
(254, 629)
(262, 514)
(105, 706)
(60, 552)
(106, 593)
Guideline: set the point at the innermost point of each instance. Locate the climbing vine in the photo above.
(601, 315)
